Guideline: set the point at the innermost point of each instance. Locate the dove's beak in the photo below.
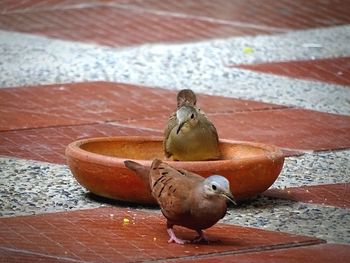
(230, 197)
(180, 126)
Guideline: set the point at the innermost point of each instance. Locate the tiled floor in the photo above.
(325, 253)
(138, 21)
(48, 144)
(38, 121)
(101, 235)
(99, 102)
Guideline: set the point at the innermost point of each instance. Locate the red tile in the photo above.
(27, 256)
(48, 144)
(98, 102)
(8, 6)
(323, 253)
(333, 70)
(295, 14)
(117, 26)
(329, 194)
(75, 104)
(293, 129)
(216, 104)
(100, 235)
(131, 22)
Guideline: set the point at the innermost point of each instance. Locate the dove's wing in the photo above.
(172, 122)
(208, 125)
(189, 174)
(213, 130)
(171, 188)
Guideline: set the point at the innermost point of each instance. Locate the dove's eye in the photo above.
(192, 116)
(213, 187)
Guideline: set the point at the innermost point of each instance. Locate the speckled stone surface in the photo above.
(204, 66)
(325, 222)
(29, 187)
(314, 169)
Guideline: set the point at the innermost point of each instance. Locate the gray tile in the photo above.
(314, 169)
(325, 222)
(30, 187)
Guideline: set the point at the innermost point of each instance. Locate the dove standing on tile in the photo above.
(189, 135)
(186, 199)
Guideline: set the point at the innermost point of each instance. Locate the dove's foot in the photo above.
(203, 239)
(173, 238)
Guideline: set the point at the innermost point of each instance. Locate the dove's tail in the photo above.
(140, 170)
(156, 163)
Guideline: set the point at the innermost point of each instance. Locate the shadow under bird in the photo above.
(189, 134)
(185, 198)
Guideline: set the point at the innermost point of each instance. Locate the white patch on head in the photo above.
(216, 184)
(184, 113)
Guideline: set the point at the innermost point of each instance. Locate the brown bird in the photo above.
(189, 135)
(186, 199)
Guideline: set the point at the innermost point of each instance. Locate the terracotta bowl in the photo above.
(98, 165)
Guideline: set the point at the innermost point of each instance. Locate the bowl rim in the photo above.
(74, 150)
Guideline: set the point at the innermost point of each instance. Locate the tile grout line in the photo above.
(277, 108)
(28, 252)
(201, 18)
(48, 9)
(245, 251)
(255, 68)
(117, 123)
(200, 256)
(51, 126)
(257, 249)
(109, 122)
(151, 11)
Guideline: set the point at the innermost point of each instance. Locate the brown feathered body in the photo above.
(181, 196)
(192, 143)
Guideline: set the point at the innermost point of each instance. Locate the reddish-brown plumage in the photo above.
(186, 199)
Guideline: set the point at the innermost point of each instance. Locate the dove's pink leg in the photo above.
(173, 238)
